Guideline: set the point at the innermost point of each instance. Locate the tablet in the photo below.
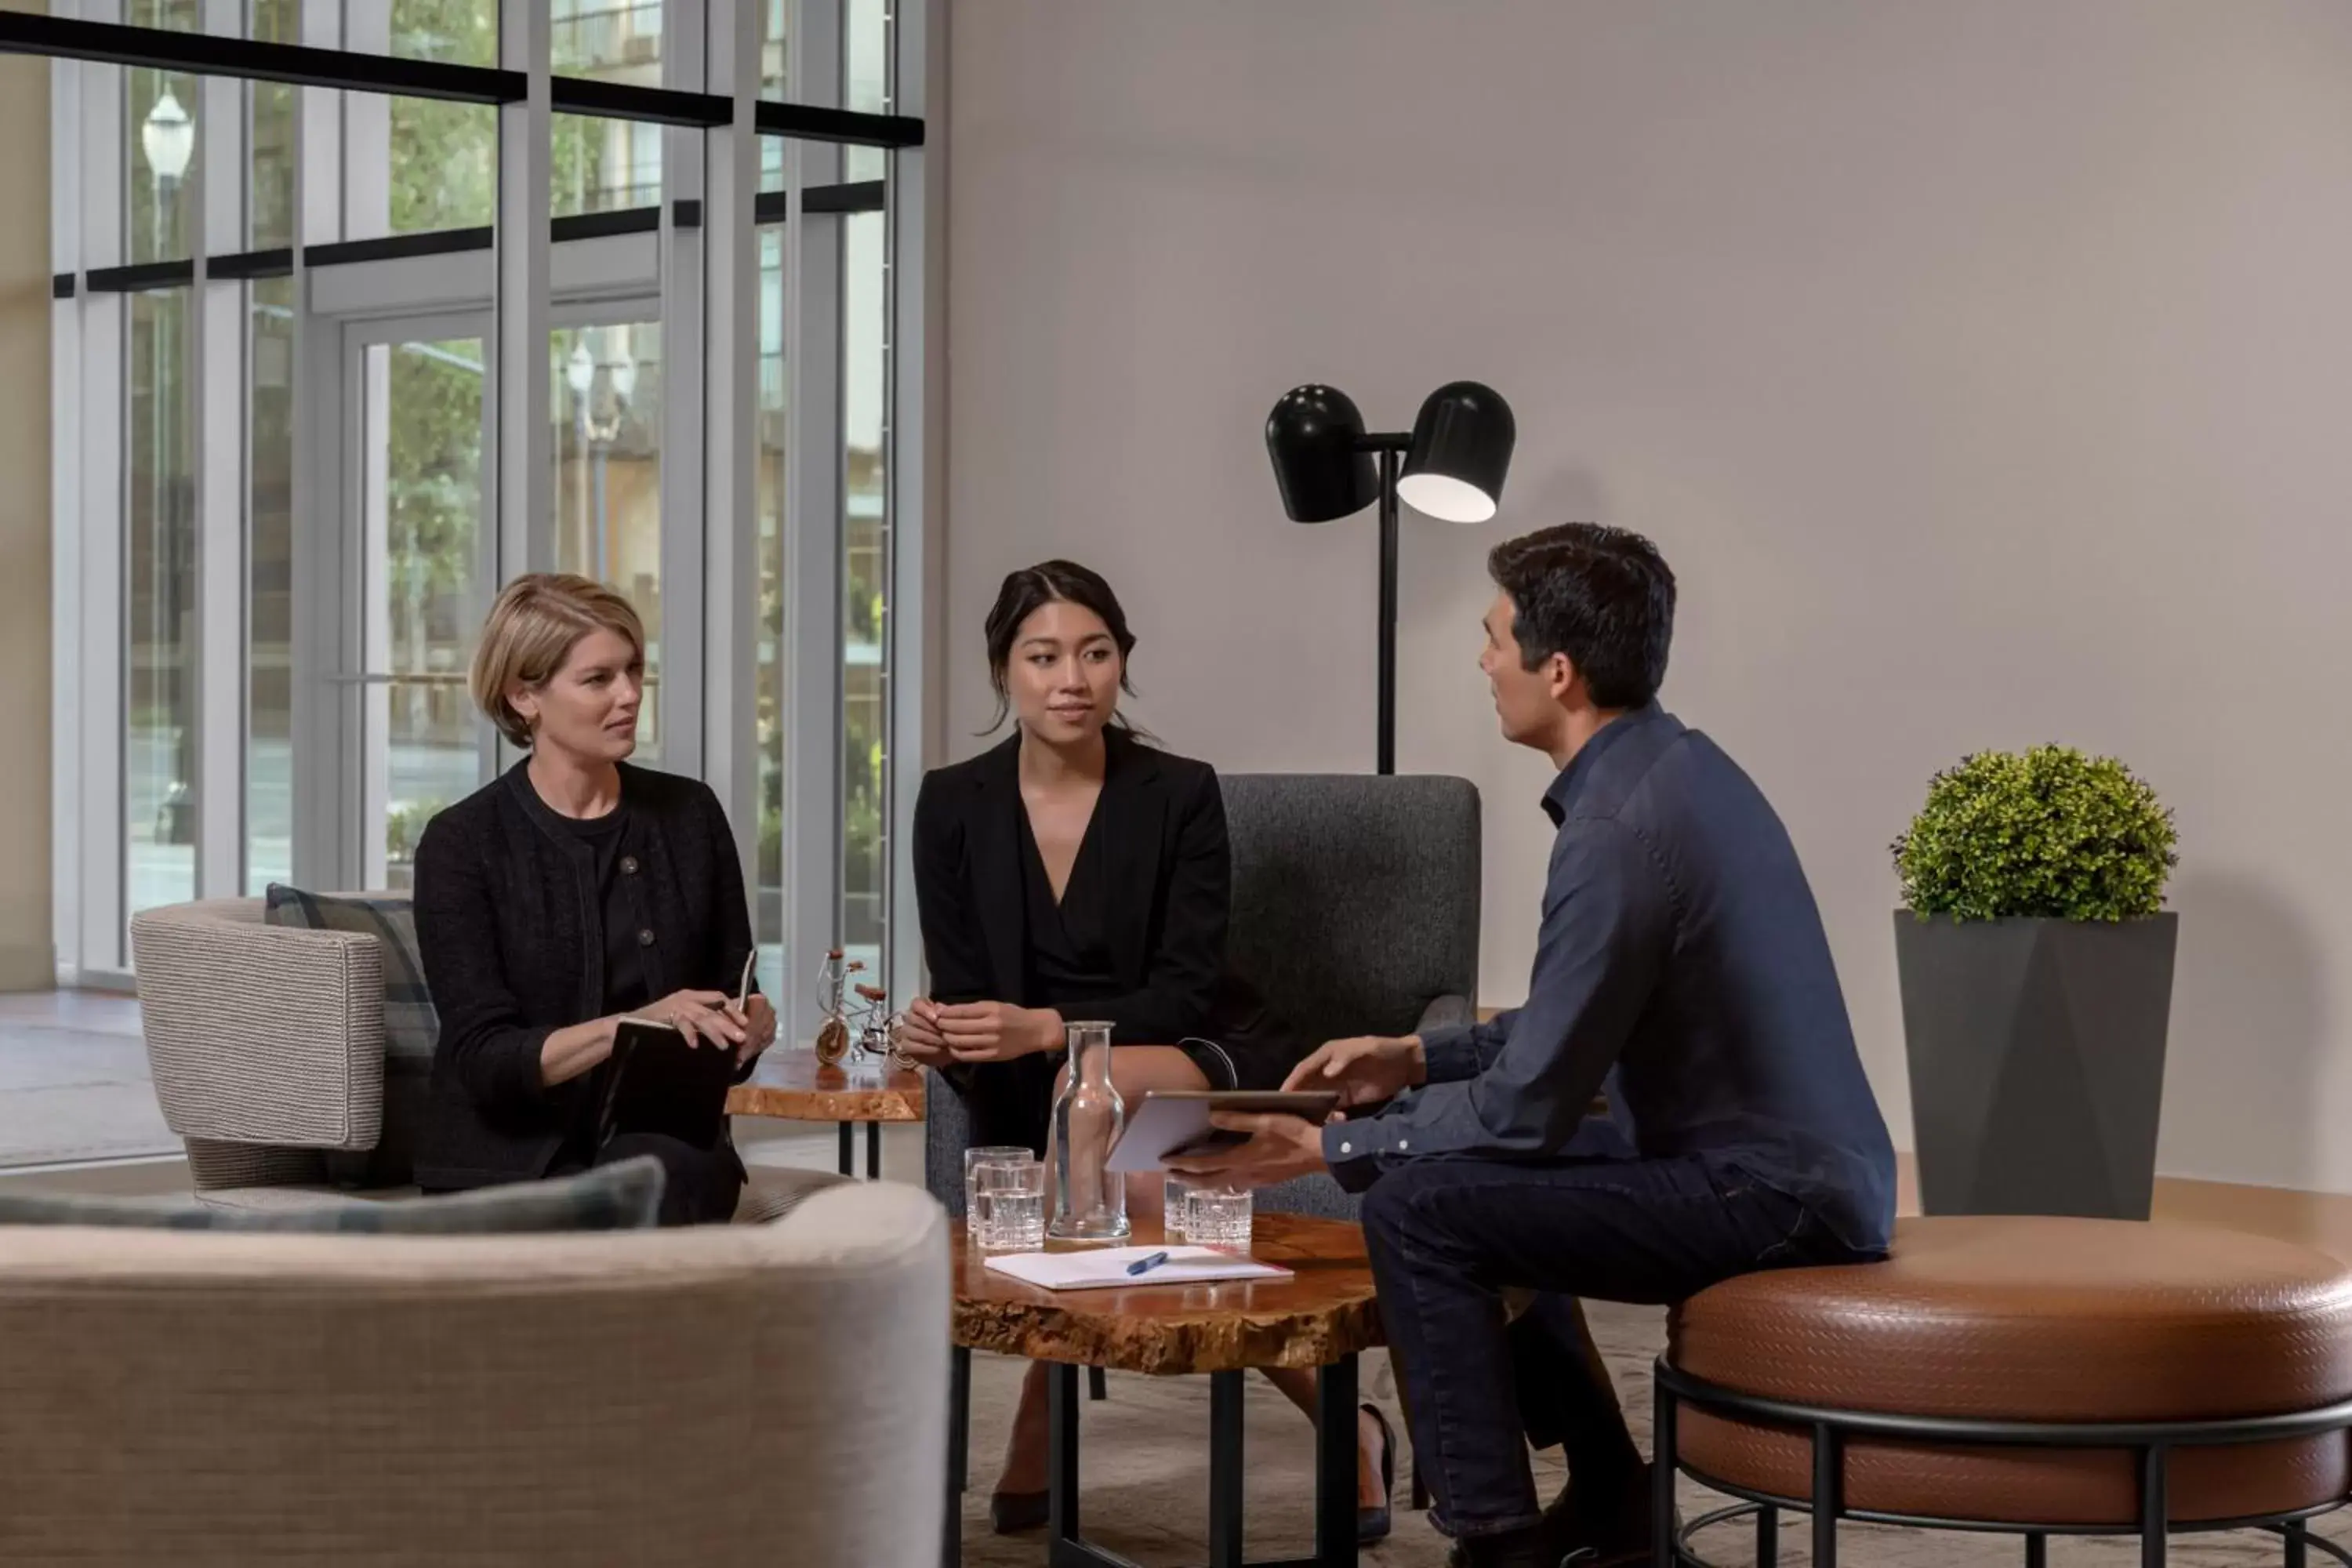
(1170, 1123)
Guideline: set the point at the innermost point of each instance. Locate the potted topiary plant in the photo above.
(2035, 961)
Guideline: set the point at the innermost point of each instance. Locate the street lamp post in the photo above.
(168, 137)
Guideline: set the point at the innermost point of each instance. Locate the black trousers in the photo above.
(701, 1186)
(1448, 1237)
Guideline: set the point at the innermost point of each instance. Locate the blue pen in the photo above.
(1146, 1265)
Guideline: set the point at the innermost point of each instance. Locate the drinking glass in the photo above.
(973, 1159)
(1012, 1203)
(1218, 1217)
(1178, 1193)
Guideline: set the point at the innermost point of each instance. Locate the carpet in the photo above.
(1144, 1481)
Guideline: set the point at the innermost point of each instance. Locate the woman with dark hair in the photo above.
(1078, 872)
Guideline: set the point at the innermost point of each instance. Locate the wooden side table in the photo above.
(790, 1085)
(1321, 1317)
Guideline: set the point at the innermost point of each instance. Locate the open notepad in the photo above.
(1099, 1269)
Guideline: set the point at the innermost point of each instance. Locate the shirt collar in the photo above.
(1561, 796)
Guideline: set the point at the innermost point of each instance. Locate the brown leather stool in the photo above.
(2053, 1376)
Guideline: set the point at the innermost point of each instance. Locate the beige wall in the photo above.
(1985, 371)
(28, 959)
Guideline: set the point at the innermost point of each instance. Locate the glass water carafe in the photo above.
(1089, 1198)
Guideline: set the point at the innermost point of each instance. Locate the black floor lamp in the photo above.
(1450, 466)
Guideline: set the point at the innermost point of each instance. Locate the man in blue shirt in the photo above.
(1681, 968)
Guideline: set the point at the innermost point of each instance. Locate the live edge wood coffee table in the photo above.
(790, 1084)
(1320, 1317)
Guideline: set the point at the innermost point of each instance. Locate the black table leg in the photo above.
(959, 1454)
(1225, 1469)
(874, 1151)
(847, 1165)
(1062, 1452)
(1098, 1385)
(1335, 1464)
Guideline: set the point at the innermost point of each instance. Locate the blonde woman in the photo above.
(569, 893)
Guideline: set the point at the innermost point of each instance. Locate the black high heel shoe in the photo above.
(1373, 1523)
(1010, 1513)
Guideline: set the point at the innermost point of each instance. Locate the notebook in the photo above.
(1096, 1269)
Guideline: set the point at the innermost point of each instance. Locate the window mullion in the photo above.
(730, 437)
(69, 711)
(103, 946)
(216, 191)
(525, 531)
(685, 54)
(812, 533)
(917, 681)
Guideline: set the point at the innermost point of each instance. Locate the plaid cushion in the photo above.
(410, 1024)
(624, 1195)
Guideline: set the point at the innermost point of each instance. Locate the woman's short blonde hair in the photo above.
(530, 632)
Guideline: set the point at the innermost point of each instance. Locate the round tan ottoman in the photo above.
(2050, 1377)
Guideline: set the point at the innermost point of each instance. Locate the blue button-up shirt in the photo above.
(1681, 965)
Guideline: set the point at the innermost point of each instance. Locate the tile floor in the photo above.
(73, 1081)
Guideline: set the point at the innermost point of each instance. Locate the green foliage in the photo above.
(2047, 834)
(404, 824)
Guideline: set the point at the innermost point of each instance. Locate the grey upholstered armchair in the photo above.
(268, 1050)
(1355, 912)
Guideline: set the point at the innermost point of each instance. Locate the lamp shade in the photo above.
(1461, 450)
(1311, 436)
(168, 137)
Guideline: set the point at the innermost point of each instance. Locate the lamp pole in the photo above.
(1391, 450)
(168, 137)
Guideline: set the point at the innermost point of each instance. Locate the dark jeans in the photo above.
(701, 1185)
(1447, 1237)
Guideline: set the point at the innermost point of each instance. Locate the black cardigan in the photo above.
(1165, 860)
(509, 921)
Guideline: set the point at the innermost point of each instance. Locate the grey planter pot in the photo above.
(2037, 1061)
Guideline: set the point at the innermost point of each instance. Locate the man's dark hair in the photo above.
(1603, 596)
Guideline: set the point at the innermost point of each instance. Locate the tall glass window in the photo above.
(607, 383)
(769, 668)
(864, 579)
(159, 709)
(604, 165)
(269, 604)
(611, 40)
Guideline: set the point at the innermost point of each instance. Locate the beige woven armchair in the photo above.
(267, 1047)
(716, 1395)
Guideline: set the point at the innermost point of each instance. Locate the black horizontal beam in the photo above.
(204, 54)
(432, 242)
(619, 101)
(137, 279)
(597, 226)
(685, 213)
(854, 196)
(809, 123)
(275, 263)
(61, 287)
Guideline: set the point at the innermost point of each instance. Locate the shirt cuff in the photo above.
(1450, 1053)
(1345, 1142)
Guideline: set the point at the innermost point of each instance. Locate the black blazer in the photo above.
(509, 924)
(1161, 825)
